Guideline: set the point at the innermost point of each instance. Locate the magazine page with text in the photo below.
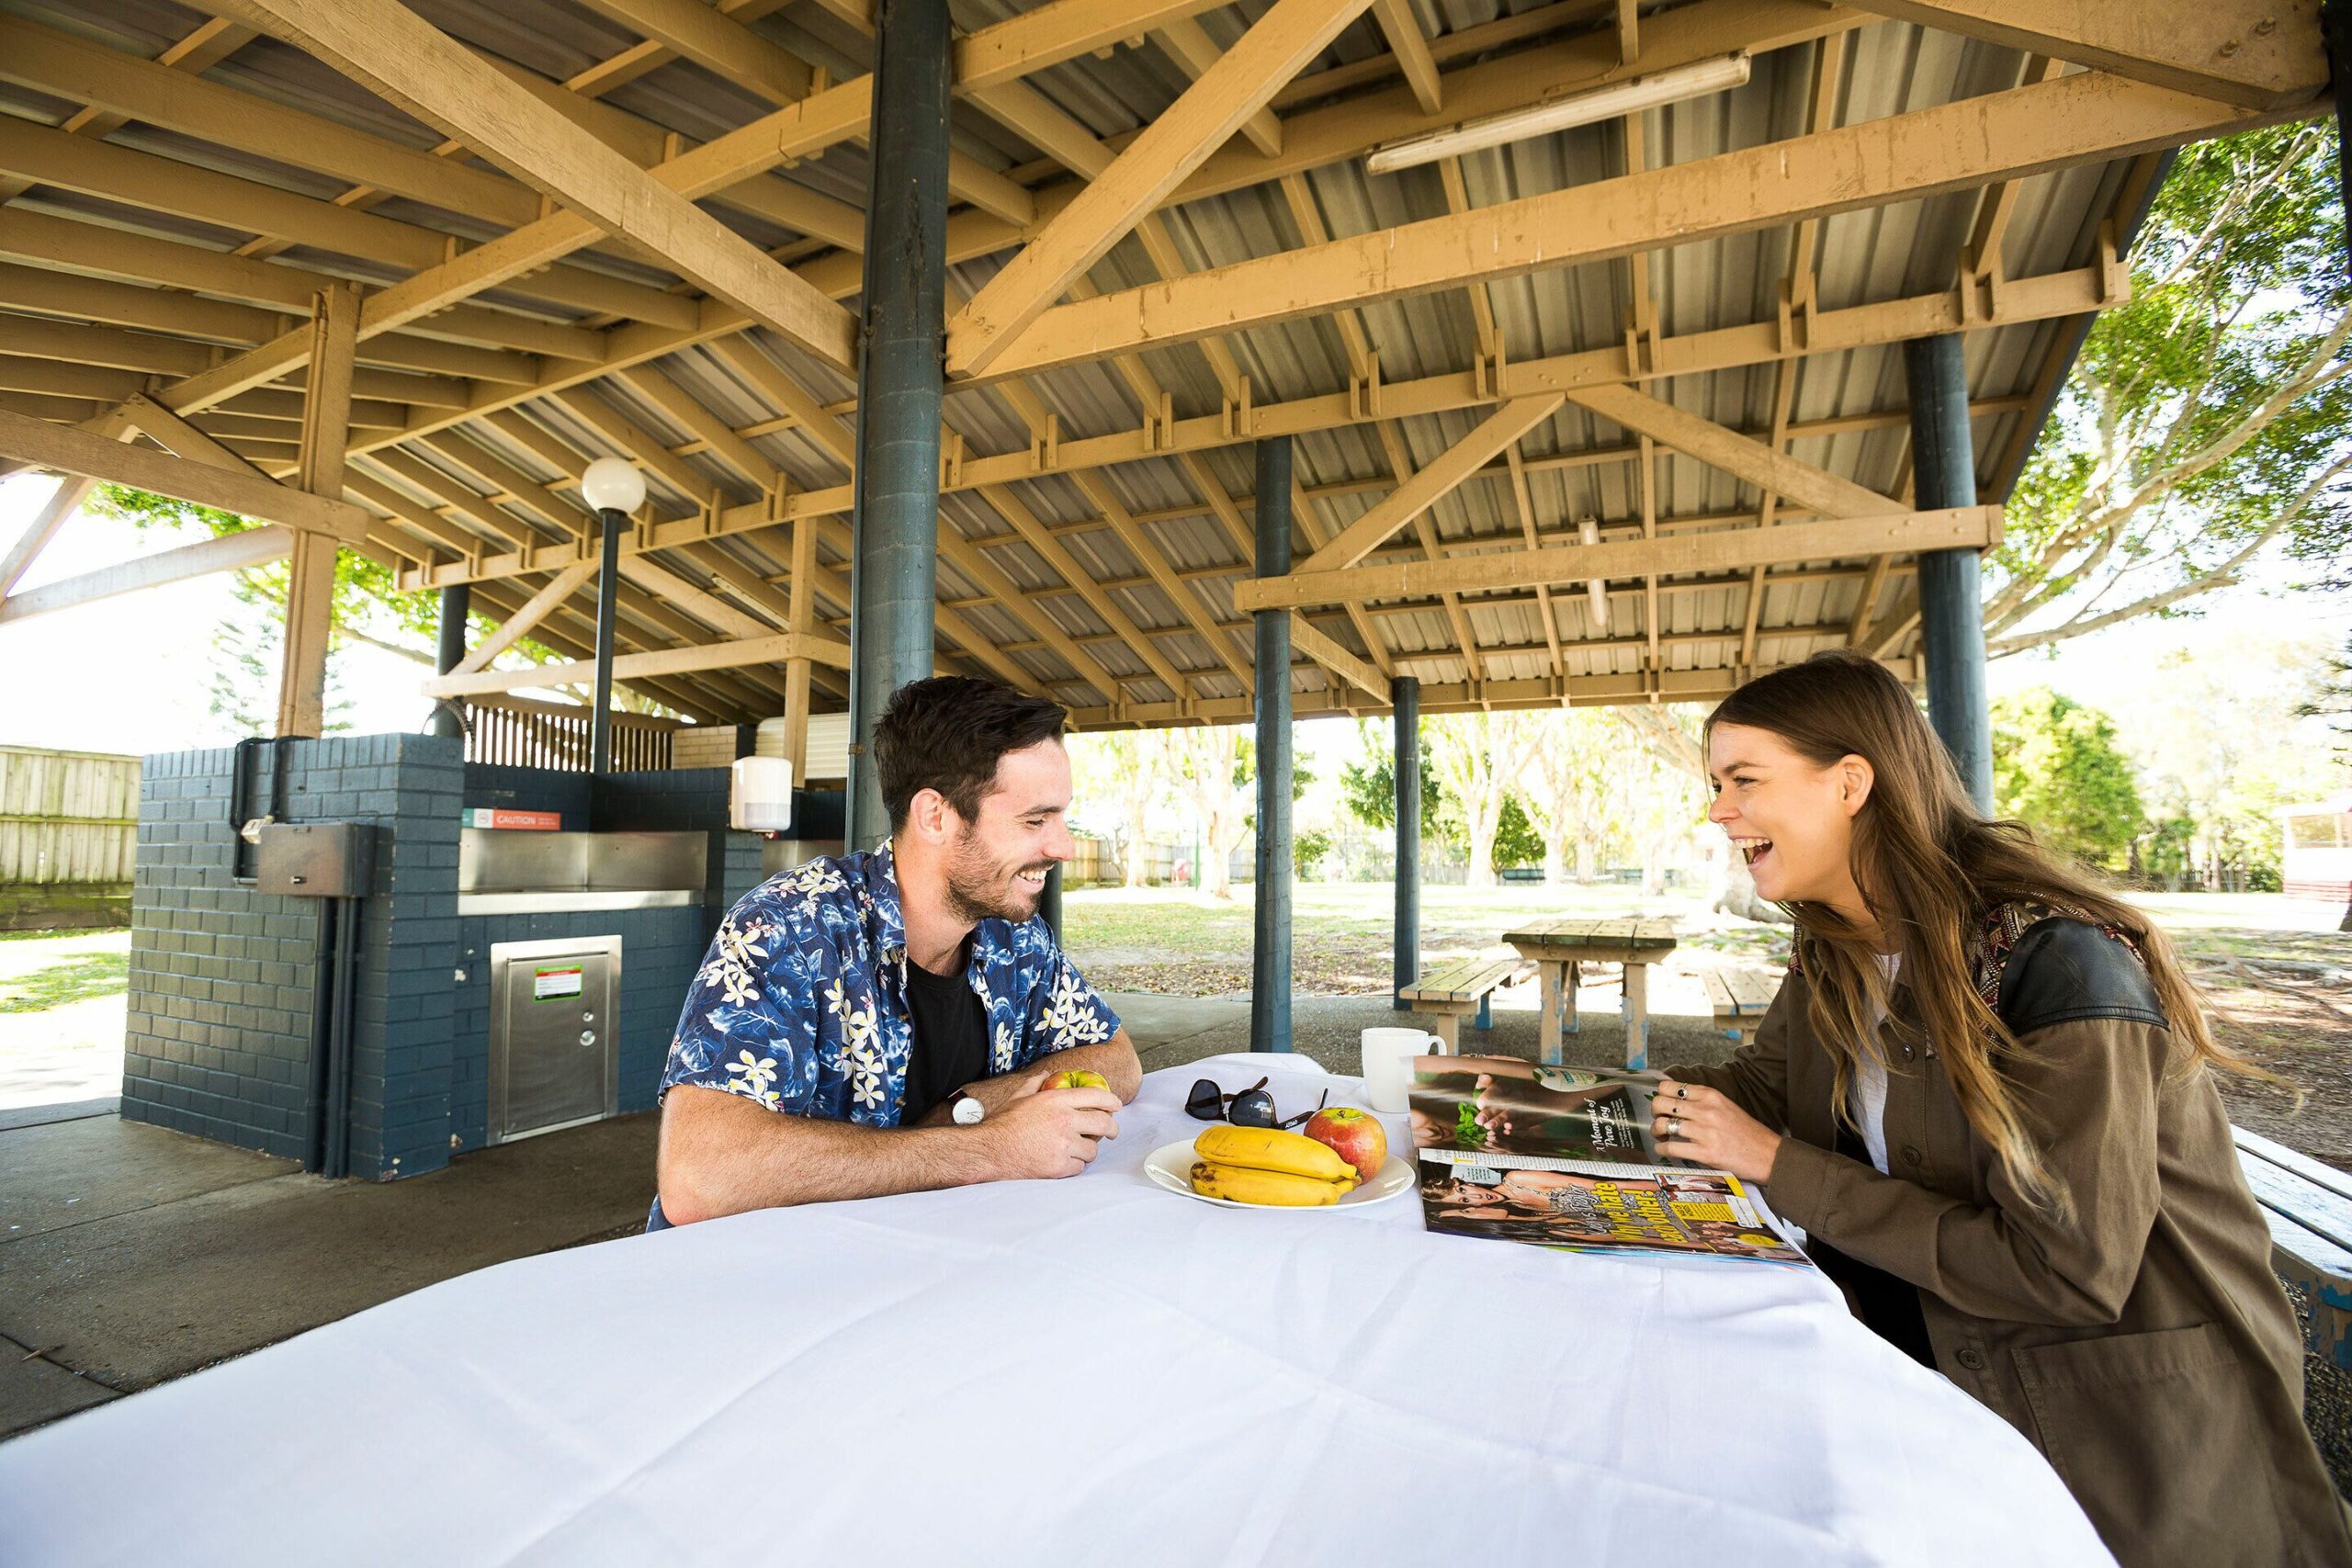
(1563, 1157)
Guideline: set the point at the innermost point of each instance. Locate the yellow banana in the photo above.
(1277, 1189)
(1271, 1148)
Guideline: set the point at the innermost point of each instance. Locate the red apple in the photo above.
(1354, 1135)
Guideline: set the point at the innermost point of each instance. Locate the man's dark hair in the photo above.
(948, 734)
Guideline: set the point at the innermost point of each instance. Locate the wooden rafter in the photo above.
(72, 451)
(1975, 527)
(1290, 34)
(2257, 53)
(1950, 147)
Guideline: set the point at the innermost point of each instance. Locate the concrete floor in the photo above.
(129, 1255)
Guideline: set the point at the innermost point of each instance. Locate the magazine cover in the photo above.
(1563, 1157)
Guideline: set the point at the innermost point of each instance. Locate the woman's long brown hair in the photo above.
(1931, 870)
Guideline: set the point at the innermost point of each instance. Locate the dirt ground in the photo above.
(2276, 974)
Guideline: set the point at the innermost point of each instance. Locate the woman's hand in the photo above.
(1700, 1125)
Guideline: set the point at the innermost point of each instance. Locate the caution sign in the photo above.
(556, 981)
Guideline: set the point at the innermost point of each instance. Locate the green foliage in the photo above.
(73, 977)
(1308, 850)
(2165, 849)
(2056, 767)
(2204, 418)
(1368, 787)
(1516, 841)
(364, 592)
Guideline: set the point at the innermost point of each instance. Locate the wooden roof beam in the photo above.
(1972, 527)
(1765, 466)
(1290, 34)
(1189, 45)
(2027, 129)
(2257, 54)
(1761, 343)
(1416, 494)
(1411, 47)
(1550, 692)
(68, 450)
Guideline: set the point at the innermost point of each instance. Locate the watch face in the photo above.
(967, 1111)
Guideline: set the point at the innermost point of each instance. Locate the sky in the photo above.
(129, 674)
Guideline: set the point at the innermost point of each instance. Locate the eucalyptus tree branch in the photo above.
(2225, 575)
(2221, 448)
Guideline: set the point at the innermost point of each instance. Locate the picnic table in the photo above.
(1559, 947)
(1093, 1368)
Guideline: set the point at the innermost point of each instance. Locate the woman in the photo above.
(1985, 1091)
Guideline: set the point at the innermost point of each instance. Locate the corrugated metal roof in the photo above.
(1845, 405)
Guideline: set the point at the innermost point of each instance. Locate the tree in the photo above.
(1126, 769)
(1672, 736)
(2216, 733)
(1368, 786)
(2203, 422)
(1208, 764)
(368, 608)
(2057, 768)
(1478, 757)
(1567, 787)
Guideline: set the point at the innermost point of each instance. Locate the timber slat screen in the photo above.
(544, 737)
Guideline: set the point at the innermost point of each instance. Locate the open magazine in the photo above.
(1563, 1157)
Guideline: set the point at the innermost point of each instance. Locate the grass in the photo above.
(41, 971)
(1179, 944)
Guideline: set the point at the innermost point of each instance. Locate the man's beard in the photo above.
(979, 889)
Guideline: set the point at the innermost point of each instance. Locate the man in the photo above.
(885, 1022)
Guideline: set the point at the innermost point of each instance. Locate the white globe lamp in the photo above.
(613, 484)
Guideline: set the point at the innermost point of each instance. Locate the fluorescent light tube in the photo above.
(1692, 80)
(1588, 532)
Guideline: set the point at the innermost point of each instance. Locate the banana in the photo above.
(1276, 1188)
(1271, 1148)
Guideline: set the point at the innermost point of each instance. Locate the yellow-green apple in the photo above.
(1354, 1135)
(1078, 1078)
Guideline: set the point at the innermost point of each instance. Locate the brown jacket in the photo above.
(2144, 1347)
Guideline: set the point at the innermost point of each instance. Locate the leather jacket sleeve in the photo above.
(2095, 1049)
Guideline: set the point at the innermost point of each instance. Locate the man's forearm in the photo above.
(724, 1155)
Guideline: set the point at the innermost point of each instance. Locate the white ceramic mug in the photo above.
(1388, 1056)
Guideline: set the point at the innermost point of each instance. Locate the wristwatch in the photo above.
(964, 1109)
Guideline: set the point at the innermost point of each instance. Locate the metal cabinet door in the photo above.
(554, 1041)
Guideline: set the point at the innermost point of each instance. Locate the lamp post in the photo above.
(615, 488)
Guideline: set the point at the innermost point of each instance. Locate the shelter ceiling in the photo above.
(179, 183)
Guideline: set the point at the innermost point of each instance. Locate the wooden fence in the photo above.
(69, 826)
(525, 733)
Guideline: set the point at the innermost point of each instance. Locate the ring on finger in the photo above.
(1674, 1127)
(1681, 1092)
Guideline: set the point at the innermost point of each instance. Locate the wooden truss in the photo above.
(410, 344)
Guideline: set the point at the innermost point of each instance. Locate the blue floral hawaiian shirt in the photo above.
(802, 1002)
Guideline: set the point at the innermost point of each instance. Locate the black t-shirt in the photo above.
(950, 1037)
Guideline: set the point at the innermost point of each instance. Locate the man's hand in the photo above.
(1704, 1127)
(1049, 1133)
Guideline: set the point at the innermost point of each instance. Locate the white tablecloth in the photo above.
(1046, 1372)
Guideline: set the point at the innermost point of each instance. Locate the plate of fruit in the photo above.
(1340, 1160)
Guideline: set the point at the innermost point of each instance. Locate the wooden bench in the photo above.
(1740, 998)
(2309, 1208)
(1453, 992)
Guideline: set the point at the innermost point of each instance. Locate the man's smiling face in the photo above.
(997, 864)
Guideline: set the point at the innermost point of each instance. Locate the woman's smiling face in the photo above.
(1791, 820)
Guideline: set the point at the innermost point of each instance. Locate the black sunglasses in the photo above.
(1253, 1107)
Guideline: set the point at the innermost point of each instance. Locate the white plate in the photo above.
(1171, 1166)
